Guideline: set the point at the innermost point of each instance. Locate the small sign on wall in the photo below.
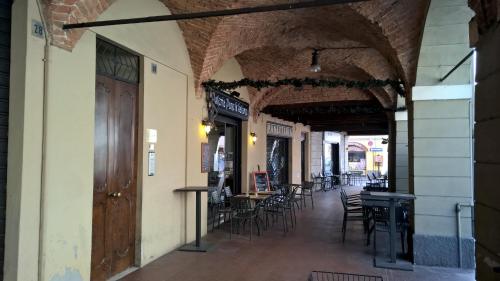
(151, 163)
(205, 158)
(37, 29)
(279, 130)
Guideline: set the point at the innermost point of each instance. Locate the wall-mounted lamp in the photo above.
(315, 66)
(385, 140)
(254, 137)
(207, 126)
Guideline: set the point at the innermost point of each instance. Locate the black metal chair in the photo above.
(380, 222)
(218, 208)
(273, 207)
(307, 191)
(352, 212)
(242, 211)
(317, 181)
(298, 199)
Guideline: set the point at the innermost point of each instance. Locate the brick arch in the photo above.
(391, 27)
(273, 62)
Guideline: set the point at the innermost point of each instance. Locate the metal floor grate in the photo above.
(337, 276)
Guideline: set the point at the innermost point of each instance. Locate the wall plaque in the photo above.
(279, 130)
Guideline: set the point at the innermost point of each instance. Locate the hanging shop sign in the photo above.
(228, 105)
(376, 149)
(279, 130)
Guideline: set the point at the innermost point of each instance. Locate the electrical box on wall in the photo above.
(151, 139)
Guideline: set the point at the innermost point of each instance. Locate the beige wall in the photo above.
(68, 165)
(25, 150)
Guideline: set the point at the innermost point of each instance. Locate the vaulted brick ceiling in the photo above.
(374, 39)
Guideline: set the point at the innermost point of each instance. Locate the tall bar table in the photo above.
(388, 200)
(197, 246)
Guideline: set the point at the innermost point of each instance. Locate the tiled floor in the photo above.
(314, 245)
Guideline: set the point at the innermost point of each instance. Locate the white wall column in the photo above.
(442, 174)
(402, 184)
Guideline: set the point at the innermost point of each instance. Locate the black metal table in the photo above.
(388, 200)
(198, 245)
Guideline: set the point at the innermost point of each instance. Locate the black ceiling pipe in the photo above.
(210, 14)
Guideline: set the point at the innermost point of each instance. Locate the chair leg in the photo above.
(374, 239)
(251, 227)
(403, 241)
(295, 217)
(344, 226)
(257, 224)
(285, 224)
(213, 217)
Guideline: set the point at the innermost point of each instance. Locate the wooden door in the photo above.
(115, 177)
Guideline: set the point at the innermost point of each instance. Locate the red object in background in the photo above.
(370, 143)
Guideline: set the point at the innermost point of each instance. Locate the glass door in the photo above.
(224, 142)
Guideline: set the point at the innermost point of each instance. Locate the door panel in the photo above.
(125, 176)
(101, 258)
(115, 177)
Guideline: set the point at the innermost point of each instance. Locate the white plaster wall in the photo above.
(442, 162)
(316, 152)
(339, 138)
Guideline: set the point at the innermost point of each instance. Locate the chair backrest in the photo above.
(228, 192)
(308, 185)
(240, 204)
(215, 197)
(343, 198)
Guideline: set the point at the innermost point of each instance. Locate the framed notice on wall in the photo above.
(205, 158)
(260, 182)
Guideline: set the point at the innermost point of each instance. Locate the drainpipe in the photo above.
(459, 228)
(46, 64)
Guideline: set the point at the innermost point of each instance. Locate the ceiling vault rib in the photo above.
(211, 14)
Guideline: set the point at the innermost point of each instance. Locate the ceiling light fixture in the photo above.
(315, 66)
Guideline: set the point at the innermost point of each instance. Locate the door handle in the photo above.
(115, 194)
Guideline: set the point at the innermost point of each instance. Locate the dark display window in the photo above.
(277, 160)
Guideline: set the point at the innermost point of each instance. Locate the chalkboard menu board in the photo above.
(261, 181)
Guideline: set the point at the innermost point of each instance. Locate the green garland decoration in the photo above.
(300, 83)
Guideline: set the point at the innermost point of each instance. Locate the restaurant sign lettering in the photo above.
(230, 106)
(279, 130)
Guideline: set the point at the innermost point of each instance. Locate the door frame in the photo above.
(140, 147)
(238, 149)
